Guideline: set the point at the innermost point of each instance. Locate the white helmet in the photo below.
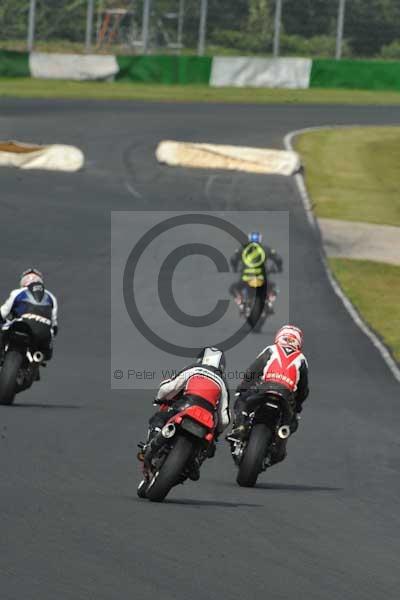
(31, 276)
(289, 335)
(213, 357)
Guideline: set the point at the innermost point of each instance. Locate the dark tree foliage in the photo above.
(244, 25)
(371, 24)
(222, 15)
(309, 17)
(227, 14)
(62, 19)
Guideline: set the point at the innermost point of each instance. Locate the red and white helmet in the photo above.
(289, 335)
(30, 276)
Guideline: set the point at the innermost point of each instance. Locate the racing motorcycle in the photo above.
(269, 416)
(184, 442)
(20, 356)
(255, 309)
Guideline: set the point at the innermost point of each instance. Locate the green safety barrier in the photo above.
(356, 74)
(14, 64)
(185, 70)
(165, 69)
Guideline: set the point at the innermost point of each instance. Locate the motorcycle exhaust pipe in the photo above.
(168, 431)
(38, 356)
(284, 432)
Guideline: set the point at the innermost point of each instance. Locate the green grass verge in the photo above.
(373, 288)
(39, 88)
(353, 173)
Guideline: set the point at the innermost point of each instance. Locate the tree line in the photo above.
(372, 27)
(369, 25)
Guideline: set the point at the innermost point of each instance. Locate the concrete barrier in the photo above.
(260, 72)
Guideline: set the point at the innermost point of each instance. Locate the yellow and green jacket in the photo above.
(252, 260)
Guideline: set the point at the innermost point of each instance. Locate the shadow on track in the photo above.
(284, 487)
(214, 503)
(49, 406)
(296, 488)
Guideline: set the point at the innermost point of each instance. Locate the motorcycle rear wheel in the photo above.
(255, 314)
(252, 461)
(170, 471)
(8, 377)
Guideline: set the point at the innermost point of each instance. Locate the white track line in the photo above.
(387, 357)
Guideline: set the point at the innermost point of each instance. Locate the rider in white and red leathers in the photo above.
(281, 368)
(203, 384)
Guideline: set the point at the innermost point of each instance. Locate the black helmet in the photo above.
(212, 357)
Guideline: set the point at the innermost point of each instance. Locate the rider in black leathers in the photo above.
(252, 260)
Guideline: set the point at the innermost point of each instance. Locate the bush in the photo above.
(391, 51)
(244, 42)
(323, 46)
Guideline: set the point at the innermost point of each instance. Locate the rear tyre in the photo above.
(257, 328)
(8, 377)
(255, 314)
(252, 462)
(169, 473)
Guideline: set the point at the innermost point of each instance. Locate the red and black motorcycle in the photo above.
(177, 451)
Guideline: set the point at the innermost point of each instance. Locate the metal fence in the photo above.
(331, 28)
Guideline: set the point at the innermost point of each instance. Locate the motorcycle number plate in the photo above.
(193, 428)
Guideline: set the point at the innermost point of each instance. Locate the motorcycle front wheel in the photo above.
(8, 377)
(170, 471)
(251, 463)
(142, 488)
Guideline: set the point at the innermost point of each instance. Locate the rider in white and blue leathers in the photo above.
(32, 302)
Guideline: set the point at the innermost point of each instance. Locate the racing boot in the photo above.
(152, 436)
(141, 451)
(239, 428)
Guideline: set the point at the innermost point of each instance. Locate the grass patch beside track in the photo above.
(353, 173)
(42, 88)
(373, 288)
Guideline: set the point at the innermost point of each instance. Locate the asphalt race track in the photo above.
(322, 526)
